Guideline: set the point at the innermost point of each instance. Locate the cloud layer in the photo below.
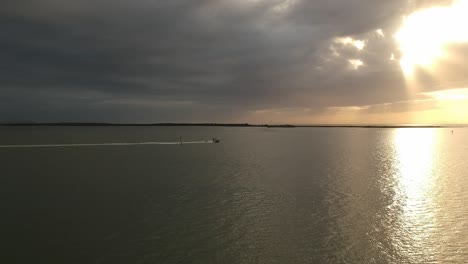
(204, 60)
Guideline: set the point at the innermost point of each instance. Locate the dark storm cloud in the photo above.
(206, 60)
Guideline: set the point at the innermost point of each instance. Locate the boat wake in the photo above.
(108, 144)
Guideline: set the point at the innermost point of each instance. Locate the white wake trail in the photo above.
(107, 144)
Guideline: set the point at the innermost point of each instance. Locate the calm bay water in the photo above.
(263, 195)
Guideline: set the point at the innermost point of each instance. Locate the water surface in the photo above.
(263, 195)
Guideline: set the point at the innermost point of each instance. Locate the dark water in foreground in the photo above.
(263, 195)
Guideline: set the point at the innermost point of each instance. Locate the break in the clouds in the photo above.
(276, 61)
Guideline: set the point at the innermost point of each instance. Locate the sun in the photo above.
(425, 33)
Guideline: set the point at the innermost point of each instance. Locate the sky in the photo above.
(234, 61)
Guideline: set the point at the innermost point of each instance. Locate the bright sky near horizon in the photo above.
(256, 61)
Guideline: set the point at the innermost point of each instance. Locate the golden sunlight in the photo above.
(416, 150)
(450, 95)
(425, 33)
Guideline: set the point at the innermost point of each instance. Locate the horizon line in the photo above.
(229, 124)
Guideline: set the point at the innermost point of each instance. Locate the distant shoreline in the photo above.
(224, 125)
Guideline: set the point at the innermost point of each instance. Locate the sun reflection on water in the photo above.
(415, 153)
(415, 149)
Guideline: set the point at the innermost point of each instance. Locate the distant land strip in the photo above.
(223, 125)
